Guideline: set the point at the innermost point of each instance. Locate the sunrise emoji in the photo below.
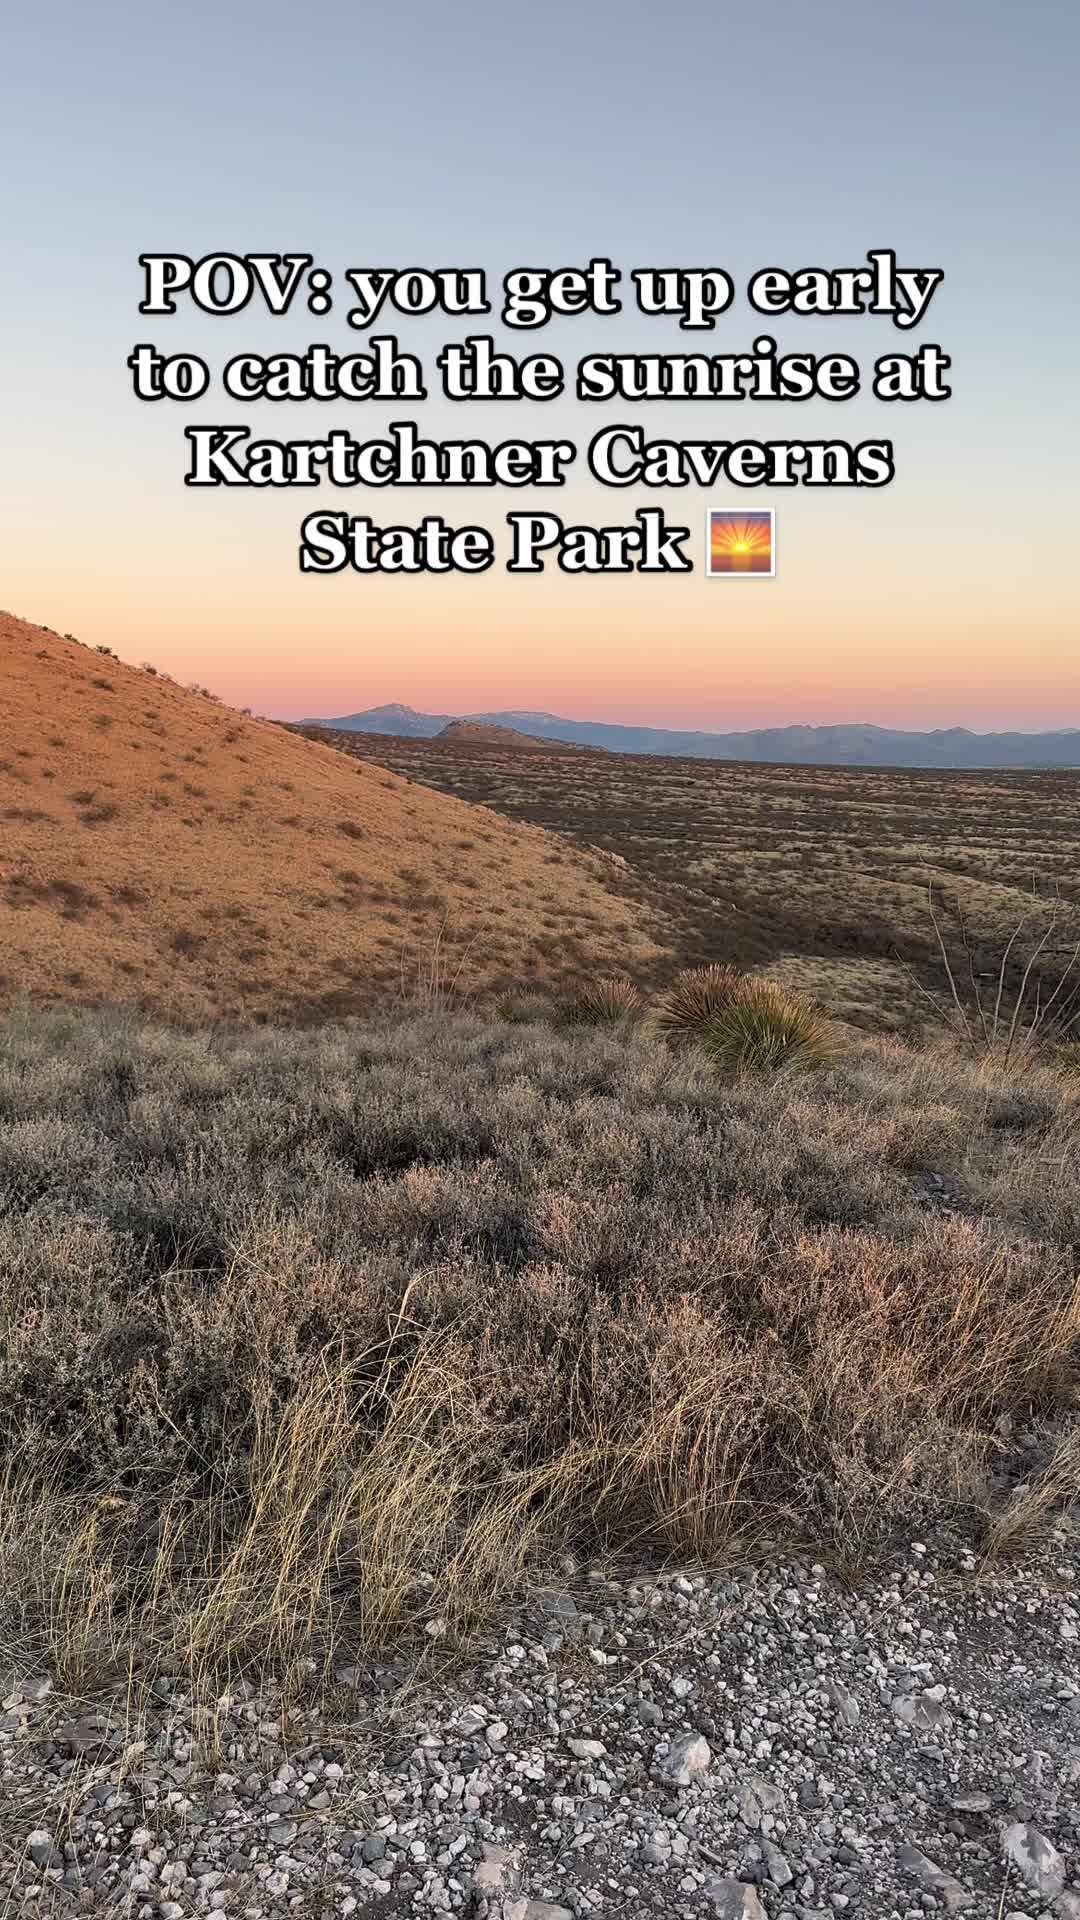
(741, 543)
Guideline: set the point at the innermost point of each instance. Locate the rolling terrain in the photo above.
(161, 850)
(818, 875)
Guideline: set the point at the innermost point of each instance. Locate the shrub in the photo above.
(184, 941)
(306, 1337)
(926, 1136)
(524, 1009)
(606, 1003)
(1021, 1002)
(696, 996)
(765, 1029)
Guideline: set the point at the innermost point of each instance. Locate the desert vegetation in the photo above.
(818, 874)
(745, 1026)
(612, 1000)
(611, 1233)
(311, 1339)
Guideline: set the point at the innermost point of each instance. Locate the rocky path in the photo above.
(760, 1743)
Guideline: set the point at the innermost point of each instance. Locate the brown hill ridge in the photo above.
(488, 733)
(157, 848)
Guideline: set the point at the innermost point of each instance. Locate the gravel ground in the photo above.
(761, 1742)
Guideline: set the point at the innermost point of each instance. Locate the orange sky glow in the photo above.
(916, 603)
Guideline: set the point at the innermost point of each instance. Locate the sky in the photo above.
(499, 135)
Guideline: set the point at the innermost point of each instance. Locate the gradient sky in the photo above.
(492, 133)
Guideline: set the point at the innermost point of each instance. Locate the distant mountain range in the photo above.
(837, 746)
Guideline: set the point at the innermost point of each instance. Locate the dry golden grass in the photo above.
(1012, 1527)
(612, 1000)
(161, 850)
(869, 993)
(312, 1340)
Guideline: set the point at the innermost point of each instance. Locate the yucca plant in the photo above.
(696, 996)
(764, 1029)
(610, 1002)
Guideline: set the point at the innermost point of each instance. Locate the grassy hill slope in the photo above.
(160, 849)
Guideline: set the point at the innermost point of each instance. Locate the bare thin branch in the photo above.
(949, 975)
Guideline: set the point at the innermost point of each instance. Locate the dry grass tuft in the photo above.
(1053, 1486)
(611, 1002)
(696, 997)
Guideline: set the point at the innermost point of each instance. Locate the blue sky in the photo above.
(502, 135)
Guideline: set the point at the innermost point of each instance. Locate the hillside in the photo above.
(825, 746)
(159, 849)
(485, 733)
